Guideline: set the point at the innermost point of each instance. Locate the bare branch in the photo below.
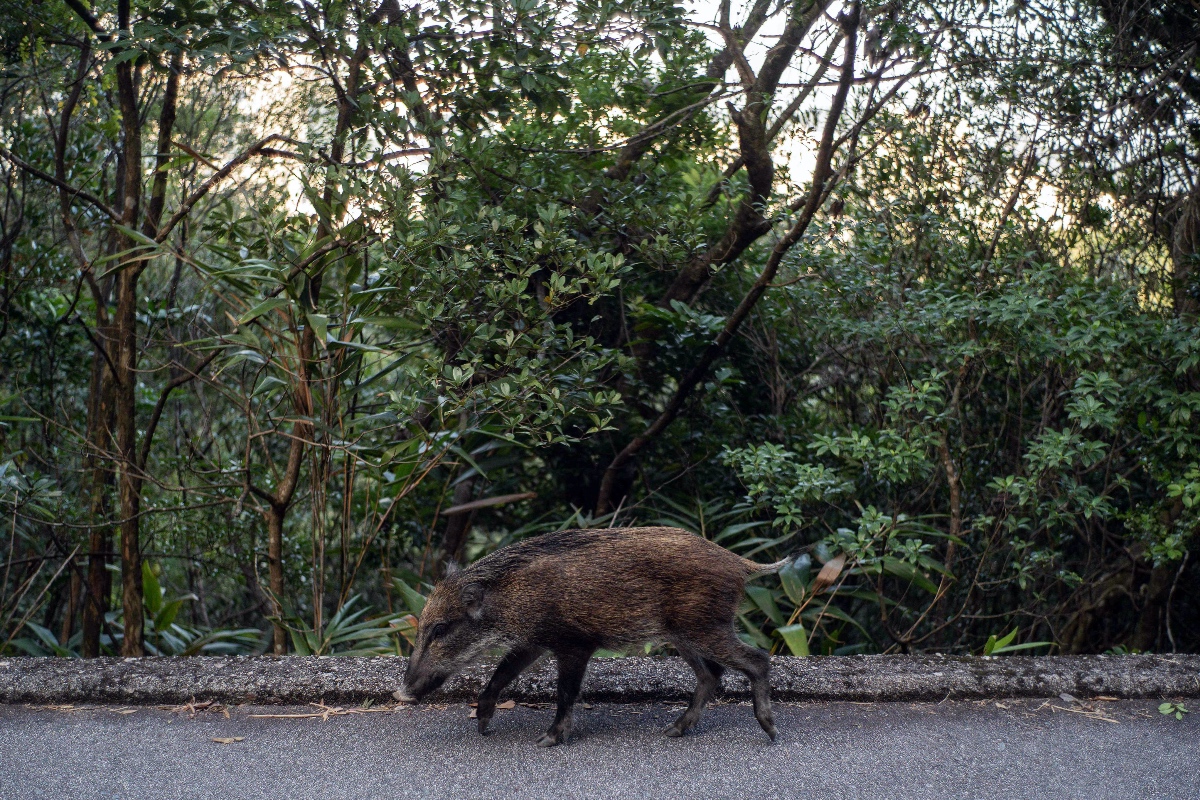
(166, 122)
(63, 185)
(805, 91)
(100, 347)
(89, 19)
(734, 47)
(172, 385)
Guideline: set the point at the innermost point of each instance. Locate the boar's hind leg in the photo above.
(572, 664)
(707, 679)
(724, 647)
(512, 665)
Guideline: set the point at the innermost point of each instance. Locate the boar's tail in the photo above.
(755, 570)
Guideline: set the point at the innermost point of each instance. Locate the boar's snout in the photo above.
(419, 681)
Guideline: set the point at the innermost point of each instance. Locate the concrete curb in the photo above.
(297, 680)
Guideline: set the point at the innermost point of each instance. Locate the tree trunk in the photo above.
(125, 323)
(99, 587)
(275, 515)
(280, 501)
(458, 525)
(100, 419)
(73, 598)
(129, 488)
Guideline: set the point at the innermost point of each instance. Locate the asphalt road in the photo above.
(1011, 749)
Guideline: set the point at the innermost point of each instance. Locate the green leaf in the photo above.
(1012, 648)
(152, 593)
(1173, 709)
(166, 615)
(734, 530)
(270, 304)
(756, 636)
(1006, 640)
(129, 54)
(994, 645)
(813, 615)
(795, 637)
(793, 577)
(394, 364)
(412, 598)
(300, 643)
(906, 571)
(765, 600)
(361, 346)
(320, 326)
(390, 322)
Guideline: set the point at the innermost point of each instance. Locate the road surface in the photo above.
(957, 749)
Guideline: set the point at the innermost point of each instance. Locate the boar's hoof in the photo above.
(770, 729)
(674, 730)
(550, 739)
(483, 725)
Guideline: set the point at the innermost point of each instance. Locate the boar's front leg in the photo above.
(708, 682)
(512, 665)
(572, 665)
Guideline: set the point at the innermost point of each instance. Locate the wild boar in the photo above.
(575, 591)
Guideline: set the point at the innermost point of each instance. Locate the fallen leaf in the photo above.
(507, 704)
(228, 739)
(473, 715)
(1068, 698)
(1001, 705)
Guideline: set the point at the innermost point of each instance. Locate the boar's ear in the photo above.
(472, 598)
(452, 567)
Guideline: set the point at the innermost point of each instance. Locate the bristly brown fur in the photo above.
(572, 592)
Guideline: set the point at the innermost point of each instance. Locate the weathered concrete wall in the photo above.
(266, 679)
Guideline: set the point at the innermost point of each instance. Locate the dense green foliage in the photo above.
(907, 290)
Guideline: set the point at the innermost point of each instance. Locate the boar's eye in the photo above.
(437, 631)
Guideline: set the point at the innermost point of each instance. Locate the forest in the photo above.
(304, 302)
